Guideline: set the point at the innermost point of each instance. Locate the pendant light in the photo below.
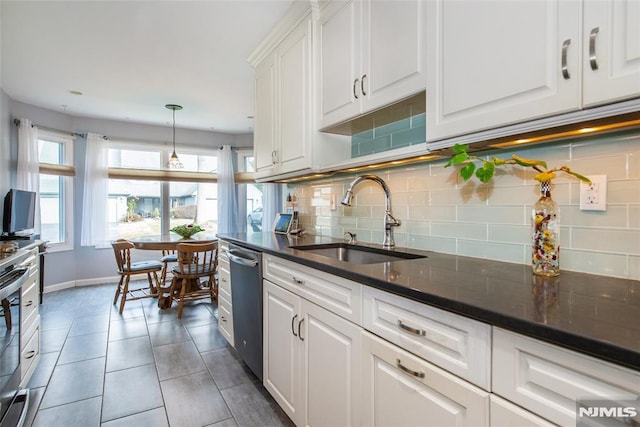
(174, 162)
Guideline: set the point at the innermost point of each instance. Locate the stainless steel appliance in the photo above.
(246, 300)
(13, 401)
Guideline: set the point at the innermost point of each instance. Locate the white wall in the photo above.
(6, 149)
(440, 212)
(83, 264)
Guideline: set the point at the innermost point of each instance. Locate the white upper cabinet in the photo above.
(611, 49)
(371, 53)
(283, 105)
(494, 63)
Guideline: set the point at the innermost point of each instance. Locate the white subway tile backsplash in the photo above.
(442, 213)
(606, 240)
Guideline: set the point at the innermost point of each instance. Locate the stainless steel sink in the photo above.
(357, 254)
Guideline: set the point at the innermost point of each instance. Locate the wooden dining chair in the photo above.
(194, 275)
(126, 269)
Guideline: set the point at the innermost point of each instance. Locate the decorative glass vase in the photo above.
(545, 224)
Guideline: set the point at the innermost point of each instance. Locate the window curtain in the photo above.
(228, 216)
(95, 225)
(272, 204)
(28, 170)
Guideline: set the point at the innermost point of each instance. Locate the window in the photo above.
(253, 194)
(155, 200)
(56, 189)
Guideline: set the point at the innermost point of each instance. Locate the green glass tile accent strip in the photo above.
(403, 133)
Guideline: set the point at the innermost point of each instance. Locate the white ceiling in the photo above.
(130, 58)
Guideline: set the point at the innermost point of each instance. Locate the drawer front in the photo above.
(455, 343)
(30, 350)
(548, 380)
(223, 247)
(32, 262)
(401, 389)
(340, 296)
(225, 318)
(30, 301)
(224, 277)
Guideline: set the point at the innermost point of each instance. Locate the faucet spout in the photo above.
(389, 220)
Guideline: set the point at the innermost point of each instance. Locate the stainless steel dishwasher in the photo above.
(246, 302)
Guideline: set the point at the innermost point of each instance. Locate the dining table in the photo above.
(168, 242)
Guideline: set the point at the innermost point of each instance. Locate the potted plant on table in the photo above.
(545, 214)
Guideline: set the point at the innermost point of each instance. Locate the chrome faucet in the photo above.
(389, 220)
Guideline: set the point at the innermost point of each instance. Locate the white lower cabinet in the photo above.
(311, 360)
(400, 389)
(225, 311)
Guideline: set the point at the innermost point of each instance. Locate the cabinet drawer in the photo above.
(29, 301)
(30, 350)
(224, 279)
(548, 380)
(225, 318)
(223, 247)
(338, 295)
(401, 389)
(455, 343)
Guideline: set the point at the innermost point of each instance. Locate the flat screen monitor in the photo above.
(19, 212)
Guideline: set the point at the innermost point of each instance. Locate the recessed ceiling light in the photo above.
(249, 117)
(75, 92)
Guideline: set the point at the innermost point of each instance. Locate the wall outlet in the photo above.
(593, 196)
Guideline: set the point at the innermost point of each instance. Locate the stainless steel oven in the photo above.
(13, 401)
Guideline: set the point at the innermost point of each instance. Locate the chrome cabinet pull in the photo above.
(409, 371)
(29, 354)
(224, 319)
(418, 332)
(224, 279)
(293, 320)
(274, 157)
(299, 326)
(593, 60)
(298, 281)
(364, 76)
(355, 82)
(28, 303)
(565, 69)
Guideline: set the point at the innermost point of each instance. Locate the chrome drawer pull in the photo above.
(30, 354)
(298, 281)
(418, 332)
(409, 371)
(224, 279)
(28, 303)
(565, 68)
(593, 60)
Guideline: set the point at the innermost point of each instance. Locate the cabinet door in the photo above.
(282, 348)
(611, 49)
(394, 47)
(330, 368)
(493, 63)
(265, 115)
(400, 389)
(339, 61)
(294, 88)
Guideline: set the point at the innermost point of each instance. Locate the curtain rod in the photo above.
(81, 135)
(238, 148)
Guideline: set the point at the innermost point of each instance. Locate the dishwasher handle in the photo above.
(241, 260)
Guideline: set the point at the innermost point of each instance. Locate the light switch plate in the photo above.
(332, 202)
(593, 196)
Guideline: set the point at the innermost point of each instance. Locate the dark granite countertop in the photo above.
(594, 315)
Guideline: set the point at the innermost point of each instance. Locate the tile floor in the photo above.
(144, 368)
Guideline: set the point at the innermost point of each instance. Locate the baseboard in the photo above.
(83, 282)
